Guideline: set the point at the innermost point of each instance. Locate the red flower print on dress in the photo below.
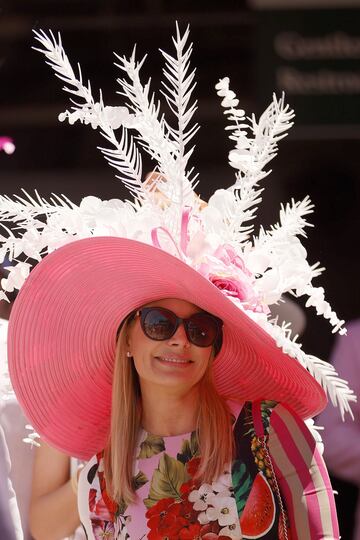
(192, 466)
(101, 510)
(187, 511)
(191, 533)
(111, 505)
(213, 536)
(165, 520)
(159, 508)
(186, 488)
(92, 500)
(201, 532)
(210, 528)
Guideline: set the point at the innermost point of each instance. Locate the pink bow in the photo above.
(184, 234)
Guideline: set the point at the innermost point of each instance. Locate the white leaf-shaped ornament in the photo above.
(243, 160)
(223, 84)
(16, 277)
(32, 244)
(90, 204)
(70, 220)
(229, 102)
(3, 295)
(315, 433)
(222, 199)
(120, 116)
(242, 143)
(257, 262)
(270, 285)
(199, 245)
(55, 239)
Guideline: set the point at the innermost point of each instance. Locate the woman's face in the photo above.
(174, 363)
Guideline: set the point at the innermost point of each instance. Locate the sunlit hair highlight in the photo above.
(214, 429)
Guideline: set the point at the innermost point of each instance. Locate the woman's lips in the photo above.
(174, 361)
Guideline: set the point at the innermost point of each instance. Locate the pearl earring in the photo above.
(128, 354)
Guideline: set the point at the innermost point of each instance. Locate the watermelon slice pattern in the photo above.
(256, 502)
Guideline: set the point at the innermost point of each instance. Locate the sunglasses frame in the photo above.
(185, 321)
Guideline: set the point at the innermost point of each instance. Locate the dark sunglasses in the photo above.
(202, 329)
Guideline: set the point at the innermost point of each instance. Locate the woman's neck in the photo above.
(166, 413)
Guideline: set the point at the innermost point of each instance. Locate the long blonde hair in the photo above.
(214, 430)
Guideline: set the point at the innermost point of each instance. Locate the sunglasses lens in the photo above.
(158, 324)
(202, 329)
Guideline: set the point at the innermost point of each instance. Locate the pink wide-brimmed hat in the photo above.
(62, 335)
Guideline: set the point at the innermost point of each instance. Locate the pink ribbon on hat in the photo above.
(184, 234)
(230, 285)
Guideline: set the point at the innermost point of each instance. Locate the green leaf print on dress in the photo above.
(189, 449)
(139, 480)
(242, 483)
(166, 480)
(151, 446)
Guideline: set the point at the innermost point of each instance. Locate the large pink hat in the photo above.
(62, 335)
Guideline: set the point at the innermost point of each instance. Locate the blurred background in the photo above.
(311, 51)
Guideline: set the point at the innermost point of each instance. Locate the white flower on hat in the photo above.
(16, 277)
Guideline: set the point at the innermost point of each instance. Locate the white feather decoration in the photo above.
(213, 238)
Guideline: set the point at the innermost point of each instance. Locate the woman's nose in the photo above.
(180, 337)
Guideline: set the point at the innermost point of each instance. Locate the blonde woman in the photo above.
(203, 432)
(143, 343)
(181, 461)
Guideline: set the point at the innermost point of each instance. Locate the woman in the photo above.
(174, 359)
(143, 343)
(172, 398)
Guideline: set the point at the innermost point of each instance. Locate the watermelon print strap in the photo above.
(262, 436)
(302, 477)
(257, 419)
(258, 507)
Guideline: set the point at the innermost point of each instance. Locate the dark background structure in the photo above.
(227, 35)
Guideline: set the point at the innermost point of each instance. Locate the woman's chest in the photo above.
(172, 505)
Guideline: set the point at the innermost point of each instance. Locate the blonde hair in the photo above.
(214, 429)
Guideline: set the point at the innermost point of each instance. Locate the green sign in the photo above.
(314, 57)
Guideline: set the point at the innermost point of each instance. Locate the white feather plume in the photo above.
(177, 91)
(213, 238)
(125, 156)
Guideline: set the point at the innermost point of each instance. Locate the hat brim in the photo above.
(62, 332)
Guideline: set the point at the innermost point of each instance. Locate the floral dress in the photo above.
(244, 502)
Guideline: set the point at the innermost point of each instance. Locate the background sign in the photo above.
(314, 56)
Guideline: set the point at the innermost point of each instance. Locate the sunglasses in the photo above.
(202, 329)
